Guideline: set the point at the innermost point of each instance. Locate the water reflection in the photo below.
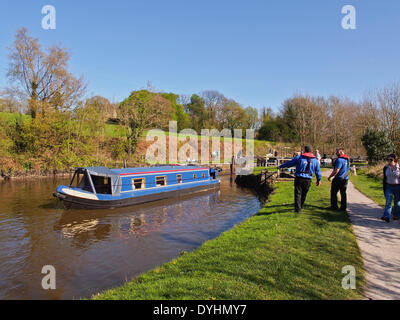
(96, 250)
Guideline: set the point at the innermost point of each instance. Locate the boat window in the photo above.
(194, 176)
(102, 184)
(76, 180)
(138, 183)
(203, 175)
(82, 181)
(178, 178)
(161, 181)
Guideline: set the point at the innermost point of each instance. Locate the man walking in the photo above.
(306, 165)
(340, 175)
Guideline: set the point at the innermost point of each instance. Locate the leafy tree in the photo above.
(50, 139)
(234, 115)
(182, 118)
(198, 113)
(377, 145)
(179, 115)
(269, 131)
(143, 110)
(266, 114)
(289, 116)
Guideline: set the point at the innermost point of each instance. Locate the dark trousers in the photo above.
(339, 185)
(301, 187)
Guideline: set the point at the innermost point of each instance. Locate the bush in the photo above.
(51, 139)
(375, 171)
(377, 145)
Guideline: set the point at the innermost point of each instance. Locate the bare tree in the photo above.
(42, 76)
(214, 102)
(10, 101)
(389, 106)
(93, 115)
(252, 118)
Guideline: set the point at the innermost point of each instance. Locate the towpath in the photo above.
(379, 242)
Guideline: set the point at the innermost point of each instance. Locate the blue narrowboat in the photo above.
(100, 187)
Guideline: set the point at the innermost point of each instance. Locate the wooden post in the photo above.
(279, 171)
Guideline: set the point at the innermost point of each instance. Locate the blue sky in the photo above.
(256, 52)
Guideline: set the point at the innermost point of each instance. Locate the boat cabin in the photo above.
(149, 184)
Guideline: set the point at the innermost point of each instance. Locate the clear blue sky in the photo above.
(256, 52)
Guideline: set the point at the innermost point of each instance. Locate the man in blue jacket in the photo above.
(306, 165)
(340, 181)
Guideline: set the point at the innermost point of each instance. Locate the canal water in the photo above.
(97, 250)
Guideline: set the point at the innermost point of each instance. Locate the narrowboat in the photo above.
(100, 187)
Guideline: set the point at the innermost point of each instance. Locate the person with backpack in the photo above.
(340, 175)
(391, 188)
(306, 166)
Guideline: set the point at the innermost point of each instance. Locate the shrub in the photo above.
(377, 145)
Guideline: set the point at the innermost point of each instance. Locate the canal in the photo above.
(96, 250)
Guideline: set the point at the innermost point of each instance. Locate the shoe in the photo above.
(396, 218)
(297, 211)
(385, 219)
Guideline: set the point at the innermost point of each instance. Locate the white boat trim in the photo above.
(79, 194)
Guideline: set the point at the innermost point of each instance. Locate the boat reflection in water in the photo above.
(137, 221)
(94, 250)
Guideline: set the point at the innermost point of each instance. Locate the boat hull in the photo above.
(73, 202)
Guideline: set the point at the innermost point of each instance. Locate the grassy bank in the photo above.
(58, 143)
(370, 186)
(276, 254)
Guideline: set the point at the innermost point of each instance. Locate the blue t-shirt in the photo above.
(343, 165)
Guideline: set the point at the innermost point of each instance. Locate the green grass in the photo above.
(258, 170)
(7, 116)
(114, 131)
(275, 254)
(371, 187)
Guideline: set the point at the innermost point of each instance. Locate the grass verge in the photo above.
(369, 186)
(276, 254)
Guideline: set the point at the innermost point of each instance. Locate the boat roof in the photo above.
(103, 171)
(158, 169)
(99, 171)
